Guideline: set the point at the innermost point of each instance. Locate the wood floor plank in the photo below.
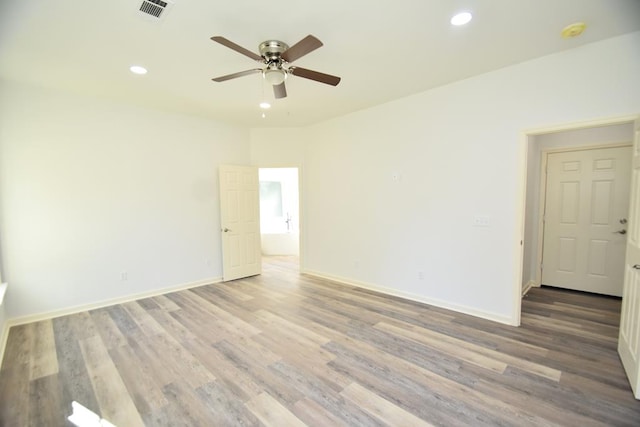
(283, 348)
(225, 407)
(45, 405)
(72, 370)
(147, 324)
(114, 399)
(265, 378)
(238, 381)
(431, 338)
(440, 396)
(449, 345)
(517, 389)
(44, 361)
(191, 410)
(165, 303)
(14, 384)
(177, 361)
(271, 413)
(107, 328)
(279, 322)
(317, 390)
(22, 338)
(171, 325)
(381, 408)
(312, 414)
(205, 308)
(139, 378)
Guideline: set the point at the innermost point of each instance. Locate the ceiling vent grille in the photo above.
(154, 9)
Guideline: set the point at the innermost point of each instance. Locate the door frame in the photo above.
(525, 140)
(301, 204)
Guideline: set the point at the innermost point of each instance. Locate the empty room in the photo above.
(425, 212)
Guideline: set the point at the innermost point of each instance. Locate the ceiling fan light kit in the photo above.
(274, 76)
(275, 57)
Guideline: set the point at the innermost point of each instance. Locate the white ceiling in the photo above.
(382, 50)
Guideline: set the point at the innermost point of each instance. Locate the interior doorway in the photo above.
(605, 133)
(280, 212)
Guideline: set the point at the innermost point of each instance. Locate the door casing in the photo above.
(524, 141)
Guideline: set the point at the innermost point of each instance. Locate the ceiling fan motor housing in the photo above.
(271, 50)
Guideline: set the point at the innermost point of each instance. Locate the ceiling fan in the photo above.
(275, 57)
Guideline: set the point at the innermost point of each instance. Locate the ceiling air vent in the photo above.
(154, 9)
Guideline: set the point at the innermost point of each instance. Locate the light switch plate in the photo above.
(481, 221)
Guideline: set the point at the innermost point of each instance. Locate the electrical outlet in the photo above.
(420, 275)
(124, 276)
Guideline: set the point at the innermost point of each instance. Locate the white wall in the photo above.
(93, 189)
(459, 152)
(598, 135)
(274, 147)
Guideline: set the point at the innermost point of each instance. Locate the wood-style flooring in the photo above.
(282, 349)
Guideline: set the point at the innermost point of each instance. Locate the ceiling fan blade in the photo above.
(236, 75)
(298, 50)
(236, 47)
(315, 75)
(280, 91)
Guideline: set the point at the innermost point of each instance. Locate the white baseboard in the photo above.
(417, 298)
(105, 303)
(528, 286)
(3, 340)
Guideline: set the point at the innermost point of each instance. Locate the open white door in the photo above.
(629, 339)
(240, 222)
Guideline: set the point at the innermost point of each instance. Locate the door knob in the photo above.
(226, 230)
(637, 266)
(621, 231)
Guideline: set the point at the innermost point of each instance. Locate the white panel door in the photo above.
(587, 202)
(629, 339)
(240, 222)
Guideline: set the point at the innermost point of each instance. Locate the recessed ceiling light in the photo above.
(265, 105)
(137, 69)
(461, 18)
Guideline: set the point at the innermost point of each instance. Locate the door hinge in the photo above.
(541, 267)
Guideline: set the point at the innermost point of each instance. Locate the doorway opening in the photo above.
(280, 215)
(537, 145)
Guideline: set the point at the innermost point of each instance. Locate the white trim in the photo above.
(542, 207)
(3, 290)
(580, 125)
(413, 297)
(518, 250)
(4, 336)
(105, 303)
(585, 147)
(528, 286)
